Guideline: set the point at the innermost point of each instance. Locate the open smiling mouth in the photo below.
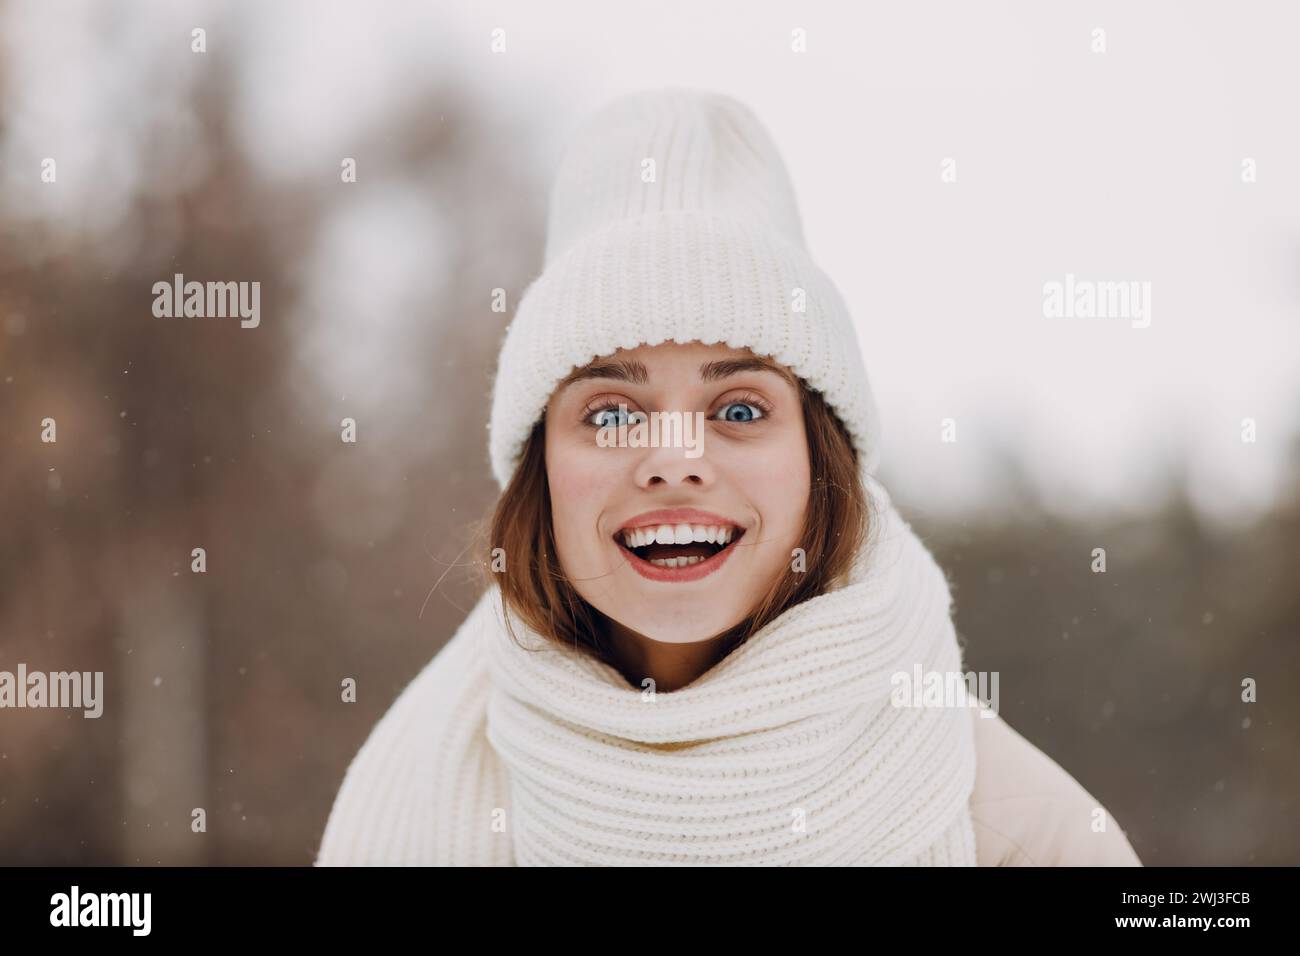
(679, 546)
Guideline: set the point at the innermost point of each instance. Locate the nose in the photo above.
(672, 467)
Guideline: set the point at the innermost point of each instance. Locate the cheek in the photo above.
(571, 492)
(577, 486)
(781, 485)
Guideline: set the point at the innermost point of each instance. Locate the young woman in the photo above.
(702, 612)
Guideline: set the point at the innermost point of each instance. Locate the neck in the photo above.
(670, 665)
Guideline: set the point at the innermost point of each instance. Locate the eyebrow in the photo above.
(630, 370)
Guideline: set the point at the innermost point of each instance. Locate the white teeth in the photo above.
(675, 562)
(677, 534)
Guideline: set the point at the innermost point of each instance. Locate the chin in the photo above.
(684, 625)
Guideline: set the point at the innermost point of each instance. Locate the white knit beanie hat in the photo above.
(672, 217)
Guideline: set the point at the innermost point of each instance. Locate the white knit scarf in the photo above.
(788, 751)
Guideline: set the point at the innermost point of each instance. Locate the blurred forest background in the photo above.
(222, 689)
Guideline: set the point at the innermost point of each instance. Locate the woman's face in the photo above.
(746, 469)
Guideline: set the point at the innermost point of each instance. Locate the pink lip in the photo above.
(693, 572)
(677, 516)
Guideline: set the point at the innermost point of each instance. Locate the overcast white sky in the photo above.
(1117, 166)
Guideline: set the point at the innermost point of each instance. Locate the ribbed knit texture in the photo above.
(712, 251)
(585, 770)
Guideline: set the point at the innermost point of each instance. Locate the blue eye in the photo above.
(609, 417)
(744, 415)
